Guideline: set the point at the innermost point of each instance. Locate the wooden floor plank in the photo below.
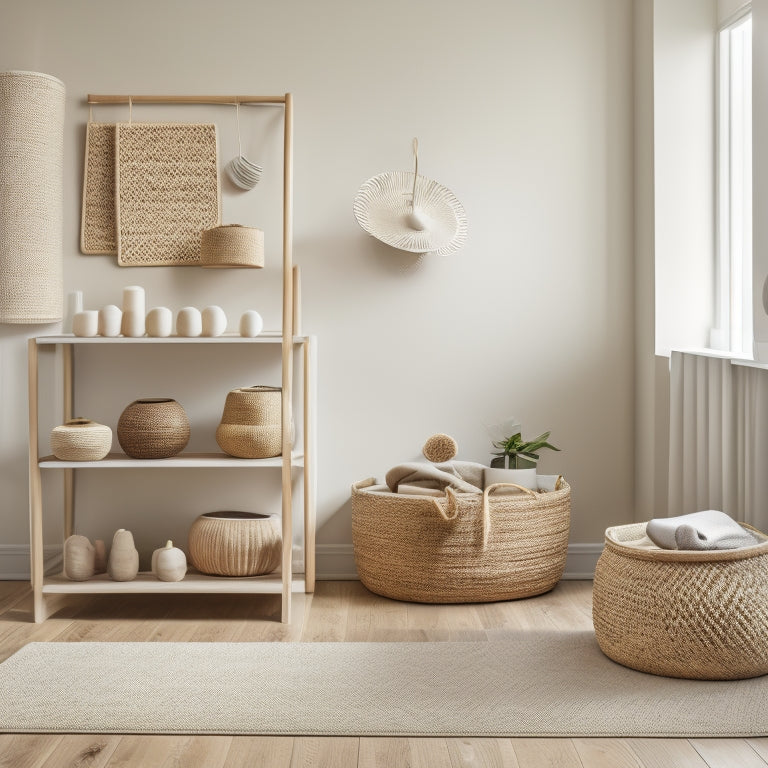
(727, 753)
(482, 753)
(26, 750)
(606, 753)
(547, 753)
(325, 752)
(82, 751)
(166, 751)
(338, 611)
(666, 753)
(260, 752)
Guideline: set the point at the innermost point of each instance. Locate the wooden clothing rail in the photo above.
(159, 99)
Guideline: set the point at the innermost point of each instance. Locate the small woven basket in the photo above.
(235, 543)
(153, 428)
(462, 548)
(688, 614)
(232, 246)
(251, 426)
(81, 440)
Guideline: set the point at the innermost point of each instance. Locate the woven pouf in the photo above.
(689, 614)
(235, 543)
(153, 428)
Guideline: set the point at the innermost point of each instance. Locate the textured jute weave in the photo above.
(31, 198)
(523, 684)
(167, 189)
(98, 230)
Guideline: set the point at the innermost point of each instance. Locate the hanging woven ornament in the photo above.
(411, 212)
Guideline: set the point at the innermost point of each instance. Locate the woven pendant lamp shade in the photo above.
(31, 197)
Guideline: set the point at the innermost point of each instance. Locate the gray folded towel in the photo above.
(709, 529)
(464, 476)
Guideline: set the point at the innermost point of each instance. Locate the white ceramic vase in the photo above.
(86, 323)
(110, 320)
(189, 322)
(251, 324)
(523, 477)
(159, 322)
(214, 321)
(134, 311)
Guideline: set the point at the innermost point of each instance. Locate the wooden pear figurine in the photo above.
(169, 563)
(123, 557)
(79, 557)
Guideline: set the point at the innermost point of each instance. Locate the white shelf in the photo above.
(192, 583)
(182, 461)
(267, 337)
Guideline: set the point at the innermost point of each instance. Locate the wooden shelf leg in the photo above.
(309, 469)
(67, 351)
(35, 490)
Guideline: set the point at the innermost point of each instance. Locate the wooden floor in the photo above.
(339, 611)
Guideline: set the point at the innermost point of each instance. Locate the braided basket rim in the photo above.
(614, 544)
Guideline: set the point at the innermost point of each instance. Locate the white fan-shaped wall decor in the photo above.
(411, 212)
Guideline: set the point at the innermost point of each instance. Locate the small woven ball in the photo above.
(440, 448)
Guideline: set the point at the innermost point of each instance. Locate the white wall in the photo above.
(524, 109)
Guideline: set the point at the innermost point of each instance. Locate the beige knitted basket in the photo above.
(251, 426)
(153, 428)
(698, 615)
(235, 543)
(31, 198)
(81, 440)
(462, 548)
(231, 246)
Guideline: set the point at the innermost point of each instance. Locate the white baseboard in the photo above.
(334, 562)
(14, 561)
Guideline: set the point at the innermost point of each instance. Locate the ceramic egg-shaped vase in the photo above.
(123, 562)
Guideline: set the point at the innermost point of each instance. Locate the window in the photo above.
(733, 306)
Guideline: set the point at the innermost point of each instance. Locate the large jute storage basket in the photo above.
(462, 548)
(31, 197)
(688, 614)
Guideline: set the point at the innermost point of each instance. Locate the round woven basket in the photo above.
(231, 246)
(251, 426)
(31, 197)
(689, 614)
(153, 428)
(81, 440)
(235, 543)
(465, 547)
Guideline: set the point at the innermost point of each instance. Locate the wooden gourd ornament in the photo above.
(79, 558)
(169, 563)
(123, 557)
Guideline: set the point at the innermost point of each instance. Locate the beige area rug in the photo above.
(528, 684)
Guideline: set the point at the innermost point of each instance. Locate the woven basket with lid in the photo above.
(689, 614)
(464, 547)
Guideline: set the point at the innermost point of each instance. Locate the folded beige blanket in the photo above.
(709, 529)
(463, 476)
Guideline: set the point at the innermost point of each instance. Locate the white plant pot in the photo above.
(524, 477)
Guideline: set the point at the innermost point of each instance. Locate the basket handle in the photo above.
(451, 510)
(486, 506)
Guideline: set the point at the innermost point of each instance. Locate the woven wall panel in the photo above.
(167, 191)
(98, 231)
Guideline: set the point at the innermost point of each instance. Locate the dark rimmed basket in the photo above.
(688, 614)
(461, 548)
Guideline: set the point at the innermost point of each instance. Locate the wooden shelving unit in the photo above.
(281, 582)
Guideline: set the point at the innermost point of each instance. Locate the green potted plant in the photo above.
(516, 460)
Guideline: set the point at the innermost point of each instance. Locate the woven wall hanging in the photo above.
(31, 198)
(98, 231)
(411, 212)
(167, 192)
